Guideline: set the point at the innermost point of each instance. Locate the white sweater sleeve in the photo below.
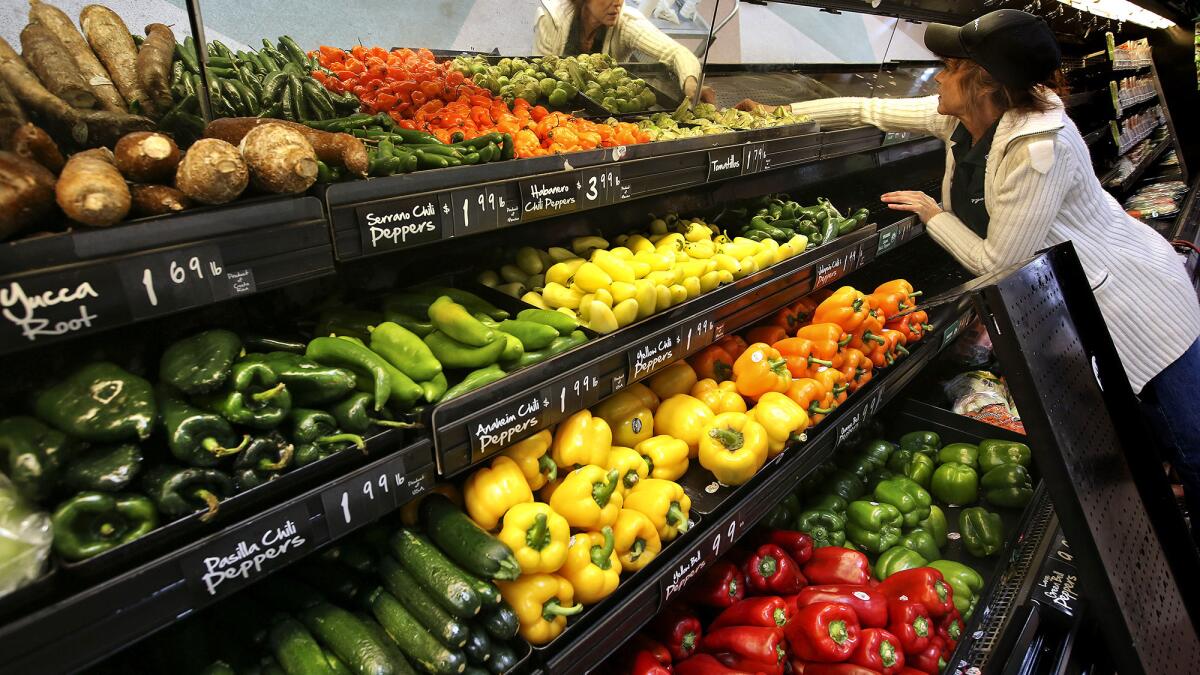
(637, 32)
(546, 36)
(1021, 210)
(888, 114)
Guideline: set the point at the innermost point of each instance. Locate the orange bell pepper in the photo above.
(799, 355)
(766, 334)
(805, 307)
(847, 308)
(833, 382)
(788, 320)
(720, 397)
(913, 325)
(857, 369)
(888, 305)
(714, 362)
(866, 337)
(734, 344)
(812, 397)
(829, 341)
(760, 369)
(890, 350)
(897, 286)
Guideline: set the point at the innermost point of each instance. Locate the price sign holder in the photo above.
(402, 223)
(60, 304)
(550, 195)
(703, 552)
(652, 354)
(754, 158)
(889, 238)
(364, 496)
(600, 186)
(832, 269)
(504, 424)
(848, 425)
(166, 282)
(474, 210)
(725, 163)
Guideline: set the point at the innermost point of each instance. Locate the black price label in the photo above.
(364, 496)
(508, 199)
(249, 553)
(754, 158)
(551, 195)
(889, 238)
(696, 335)
(652, 355)
(573, 393)
(705, 551)
(400, 223)
(474, 210)
(55, 305)
(1058, 587)
(600, 186)
(832, 269)
(503, 426)
(952, 332)
(848, 426)
(724, 163)
(160, 283)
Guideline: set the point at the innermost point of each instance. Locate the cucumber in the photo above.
(449, 586)
(358, 556)
(466, 543)
(416, 643)
(295, 648)
(335, 664)
(503, 658)
(447, 629)
(342, 585)
(388, 643)
(475, 670)
(479, 645)
(489, 594)
(347, 637)
(501, 622)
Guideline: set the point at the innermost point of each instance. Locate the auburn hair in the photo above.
(978, 85)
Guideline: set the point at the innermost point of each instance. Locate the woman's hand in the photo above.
(750, 105)
(707, 95)
(923, 205)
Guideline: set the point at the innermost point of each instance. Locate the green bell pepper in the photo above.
(963, 453)
(926, 442)
(913, 465)
(860, 465)
(91, 523)
(878, 476)
(936, 525)
(878, 451)
(922, 542)
(826, 528)
(200, 363)
(309, 382)
(263, 460)
(982, 531)
(102, 403)
(955, 484)
(784, 514)
(874, 526)
(965, 582)
(34, 455)
(105, 468)
(318, 426)
(179, 491)
(830, 502)
(196, 437)
(1007, 485)
(993, 453)
(899, 460)
(907, 496)
(845, 485)
(897, 559)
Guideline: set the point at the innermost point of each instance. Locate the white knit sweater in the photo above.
(1040, 191)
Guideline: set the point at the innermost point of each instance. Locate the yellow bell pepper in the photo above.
(531, 455)
(631, 467)
(684, 418)
(781, 417)
(537, 536)
(592, 566)
(542, 603)
(408, 512)
(733, 448)
(548, 489)
(591, 276)
(588, 497)
(628, 416)
(664, 503)
(720, 397)
(489, 493)
(581, 439)
(677, 378)
(557, 295)
(645, 395)
(667, 456)
(635, 540)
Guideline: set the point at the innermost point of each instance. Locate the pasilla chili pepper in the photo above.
(924, 585)
(932, 659)
(909, 621)
(318, 426)
(798, 545)
(768, 611)
(647, 657)
(823, 631)
(869, 605)
(826, 528)
(310, 383)
(678, 630)
(200, 363)
(878, 650)
(982, 531)
(837, 565)
(105, 468)
(263, 460)
(755, 643)
(720, 585)
(91, 523)
(34, 455)
(353, 414)
(265, 409)
(178, 491)
(770, 570)
(194, 436)
(101, 403)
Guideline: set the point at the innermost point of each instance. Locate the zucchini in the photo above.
(479, 645)
(503, 658)
(449, 586)
(489, 594)
(501, 621)
(295, 648)
(467, 544)
(447, 629)
(386, 640)
(347, 637)
(335, 664)
(412, 638)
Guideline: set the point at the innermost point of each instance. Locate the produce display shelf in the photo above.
(1148, 161)
(61, 286)
(1125, 109)
(1081, 98)
(1129, 145)
(468, 429)
(101, 619)
(589, 640)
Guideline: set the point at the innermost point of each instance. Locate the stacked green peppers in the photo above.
(778, 217)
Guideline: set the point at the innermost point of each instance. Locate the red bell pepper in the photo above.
(923, 584)
(772, 571)
(812, 668)
(767, 611)
(870, 605)
(932, 659)
(755, 643)
(707, 664)
(678, 629)
(647, 657)
(910, 671)
(837, 565)
(911, 625)
(719, 586)
(742, 663)
(798, 545)
(824, 631)
(950, 629)
(880, 650)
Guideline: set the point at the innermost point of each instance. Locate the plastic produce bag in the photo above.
(662, 9)
(977, 389)
(690, 10)
(25, 536)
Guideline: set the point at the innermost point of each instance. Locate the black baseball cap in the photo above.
(1016, 47)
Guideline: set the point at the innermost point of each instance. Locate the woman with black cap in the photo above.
(1018, 179)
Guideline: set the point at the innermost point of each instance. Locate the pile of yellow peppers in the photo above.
(607, 286)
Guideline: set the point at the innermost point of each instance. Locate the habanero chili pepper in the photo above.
(767, 611)
(824, 631)
(798, 545)
(771, 570)
(837, 565)
(196, 437)
(878, 650)
(91, 523)
(924, 585)
(180, 491)
(678, 630)
(719, 586)
(909, 621)
(869, 605)
(754, 643)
